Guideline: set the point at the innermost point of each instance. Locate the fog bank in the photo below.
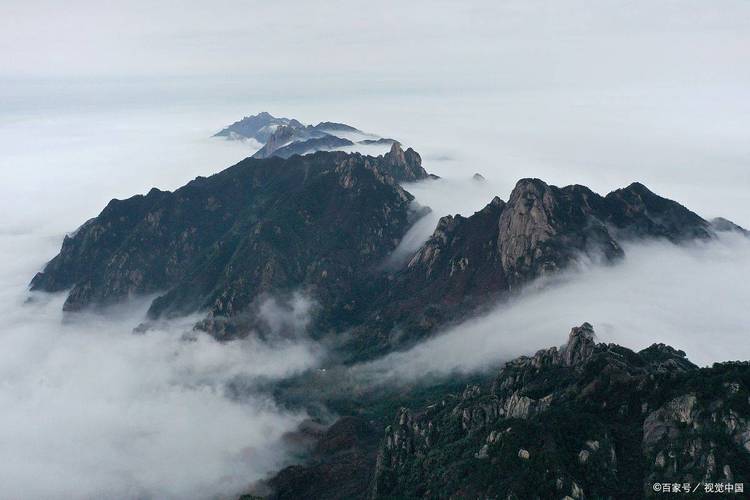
(91, 410)
(692, 297)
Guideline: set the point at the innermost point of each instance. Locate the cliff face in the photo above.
(326, 222)
(541, 229)
(219, 242)
(544, 228)
(587, 421)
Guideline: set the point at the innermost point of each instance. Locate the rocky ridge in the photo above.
(259, 226)
(587, 420)
(286, 137)
(325, 223)
(540, 230)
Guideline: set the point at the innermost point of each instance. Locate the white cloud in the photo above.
(691, 297)
(107, 99)
(91, 410)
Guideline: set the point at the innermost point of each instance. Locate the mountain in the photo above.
(338, 467)
(325, 143)
(469, 261)
(325, 224)
(285, 137)
(262, 225)
(587, 420)
(258, 127)
(722, 224)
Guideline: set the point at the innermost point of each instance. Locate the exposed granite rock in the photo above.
(587, 420)
(693, 440)
(322, 220)
(405, 166)
(325, 223)
(542, 229)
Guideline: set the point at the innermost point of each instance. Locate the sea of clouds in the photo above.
(596, 93)
(692, 297)
(90, 409)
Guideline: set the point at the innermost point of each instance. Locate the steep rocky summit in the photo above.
(587, 420)
(325, 223)
(217, 243)
(539, 231)
(584, 420)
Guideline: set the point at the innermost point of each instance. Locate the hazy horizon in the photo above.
(105, 100)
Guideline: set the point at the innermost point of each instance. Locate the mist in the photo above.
(693, 297)
(90, 409)
(94, 411)
(107, 100)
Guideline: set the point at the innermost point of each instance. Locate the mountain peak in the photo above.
(580, 346)
(396, 154)
(285, 137)
(404, 165)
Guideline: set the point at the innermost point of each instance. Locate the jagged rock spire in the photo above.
(580, 346)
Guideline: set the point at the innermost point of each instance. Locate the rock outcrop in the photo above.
(587, 420)
(584, 420)
(325, 223)
(540, 230)
(543, 228)
(320, 221)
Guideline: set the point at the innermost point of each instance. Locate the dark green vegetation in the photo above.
(325, 224)
(322, 221)
(542, 229)
(587, 421)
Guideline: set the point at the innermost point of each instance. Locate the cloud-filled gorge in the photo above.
(692, 297)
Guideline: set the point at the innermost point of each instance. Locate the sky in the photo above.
(600, 93)
(105, 99)
(511, 42)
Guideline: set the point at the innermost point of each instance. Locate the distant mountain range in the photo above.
(284, 137)
(585, 421)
